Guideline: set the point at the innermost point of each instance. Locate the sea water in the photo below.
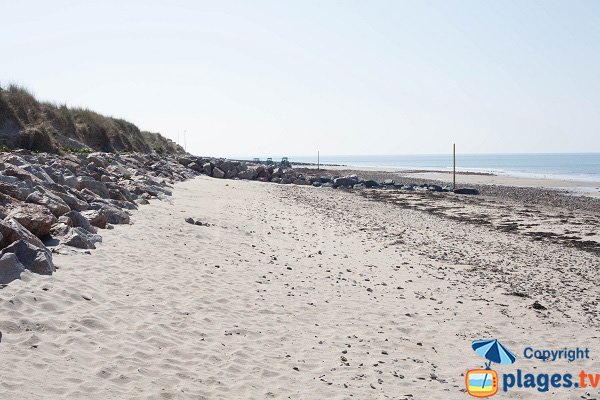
(575, 166)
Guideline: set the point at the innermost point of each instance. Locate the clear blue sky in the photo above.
(346, 77)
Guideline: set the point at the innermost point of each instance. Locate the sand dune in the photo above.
(291, 292)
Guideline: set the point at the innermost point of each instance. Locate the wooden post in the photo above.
(318, 161)
(454, 166)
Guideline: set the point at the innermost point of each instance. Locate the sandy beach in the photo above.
(303, 293)
(333, 200)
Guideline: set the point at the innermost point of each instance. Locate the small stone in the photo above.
(538, 306)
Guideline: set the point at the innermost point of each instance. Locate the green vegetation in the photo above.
(28, 123)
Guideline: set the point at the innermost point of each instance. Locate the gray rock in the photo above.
(185, 160)
(13, 231)
(278, 172)
(359, 186)
(66, 196)
(22, 175)
(98, 160)
(10, 268)
(190, 220)
(207, 168)
(115, 215)
(35, 218)
(218, 173)
(59, 230)
(70, 181)
(54, 203)
(388, 182)
(34, 258)
(249, 174)
(195, 166)
(96, 218)
(80, 238)
(371, 184)
(470, 191)
(15, 188)
(232, 172)
(119, 170)
(65, 220)
(80, 221)
(97, 187)
(348, 181)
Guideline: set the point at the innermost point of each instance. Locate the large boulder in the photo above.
(106, 214)
(207, 168)
(195, 166)
(35, 218)
(21, 174)
(470, 191)
(10, 268)
(11, 231)
(249, 174)
(346, 181)
(54, 203)
(232, 173)
(65, 194)
(218, 173)
(119, 170)
(79, 220)
(80, 238)
(98, 159)
(114, 215)
(60, 229)
(34, 258)
(15, 188)
(97, 187)
(96, 218)
(185, 160)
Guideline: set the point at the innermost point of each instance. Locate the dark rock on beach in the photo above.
(34, 258)
(469, 191)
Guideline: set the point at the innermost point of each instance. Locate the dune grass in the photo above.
(26, 122)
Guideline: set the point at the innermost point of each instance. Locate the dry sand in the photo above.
(302, 293)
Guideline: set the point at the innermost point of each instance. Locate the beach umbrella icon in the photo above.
(493, 351)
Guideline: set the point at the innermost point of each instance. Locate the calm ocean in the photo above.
(580, 167)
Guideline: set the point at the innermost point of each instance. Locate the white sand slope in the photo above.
(292, 292)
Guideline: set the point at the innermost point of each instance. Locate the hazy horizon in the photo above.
(345, 78)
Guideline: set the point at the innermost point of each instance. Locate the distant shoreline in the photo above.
(589, 188)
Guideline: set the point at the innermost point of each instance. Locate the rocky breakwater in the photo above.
(228, 169)
(53, 203)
